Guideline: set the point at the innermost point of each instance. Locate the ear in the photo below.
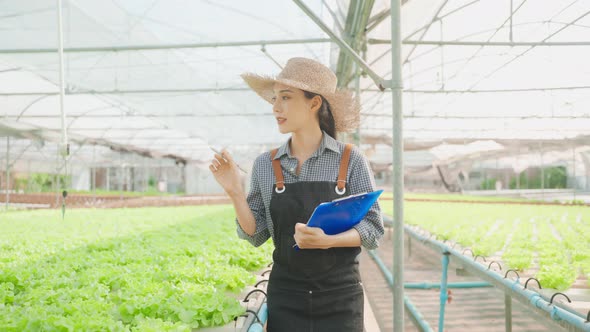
(316, 103)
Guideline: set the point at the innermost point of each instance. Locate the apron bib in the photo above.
(311, 289)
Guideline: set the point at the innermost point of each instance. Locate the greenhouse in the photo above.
(474, 121)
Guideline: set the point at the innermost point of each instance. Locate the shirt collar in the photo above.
(327, 143)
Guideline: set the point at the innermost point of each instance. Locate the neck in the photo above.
(306, 141)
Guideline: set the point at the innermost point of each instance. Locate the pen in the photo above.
(219, 153)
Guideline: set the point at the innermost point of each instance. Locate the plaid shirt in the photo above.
(323, 165)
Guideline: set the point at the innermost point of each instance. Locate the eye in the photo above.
(285, 98)
(273, 99)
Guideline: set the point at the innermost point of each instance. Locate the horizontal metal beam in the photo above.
(74, 129)
(479, 43)
(164, 46)
(118, 91)
(366, 114)
(229, 89)
(520, 131)
(485, 117)
(141, 115)
(581, 87)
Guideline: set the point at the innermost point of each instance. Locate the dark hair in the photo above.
(325, 116)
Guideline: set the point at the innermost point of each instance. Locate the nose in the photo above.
(276, 108)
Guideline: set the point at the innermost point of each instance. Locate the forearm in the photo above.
(350, 238)
(315, 238)
(243, 213)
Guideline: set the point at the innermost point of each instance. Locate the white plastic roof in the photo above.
(469, 96)
(143, 76)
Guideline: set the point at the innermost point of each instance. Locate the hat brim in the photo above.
(345, 108)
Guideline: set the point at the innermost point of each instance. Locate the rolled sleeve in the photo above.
(256, 204)
(361, 180)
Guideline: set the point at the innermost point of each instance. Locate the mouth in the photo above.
(280, 120)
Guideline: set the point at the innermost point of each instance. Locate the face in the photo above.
(292, 110)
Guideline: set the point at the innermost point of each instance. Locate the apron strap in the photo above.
(276, 166)
(343, 168)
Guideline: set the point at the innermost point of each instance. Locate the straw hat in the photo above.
(311, 76)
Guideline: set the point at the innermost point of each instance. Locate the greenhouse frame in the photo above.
(480, 97)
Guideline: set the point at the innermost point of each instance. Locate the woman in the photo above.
(318, 287)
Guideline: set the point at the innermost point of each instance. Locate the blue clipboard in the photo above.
(344, 213)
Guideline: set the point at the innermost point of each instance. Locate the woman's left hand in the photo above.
(311, 237)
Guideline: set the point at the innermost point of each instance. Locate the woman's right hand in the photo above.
(226, 173)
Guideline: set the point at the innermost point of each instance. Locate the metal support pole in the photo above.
(443, 291)
(508, 312)
(145, 176)
(442, 58)
(575, 180)
(497, 175)
(411, 83)
(94, 174)
(63, 149)
(29, 176)
(7, 170)
(56, 184)
(398, 168)
(162, 169)
(183, 175)
(357, 89)
(586, 163)
(519, 173)
(511, 14)
(132, 175)
(542, 172)
(64, 135)
(128, 171)
(120, 176)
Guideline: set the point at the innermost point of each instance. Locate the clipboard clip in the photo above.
(348, 197)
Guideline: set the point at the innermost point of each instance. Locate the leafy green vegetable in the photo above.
(151, 269)
(554, 239)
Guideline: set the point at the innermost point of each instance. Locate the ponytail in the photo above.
(325, 116)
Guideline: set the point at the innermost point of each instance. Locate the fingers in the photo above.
(220, 160)
(226, 155)
(304, 229)
(308, 237)
(216, 164)
(300, 227)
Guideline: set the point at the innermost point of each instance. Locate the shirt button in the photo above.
(292, 169)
